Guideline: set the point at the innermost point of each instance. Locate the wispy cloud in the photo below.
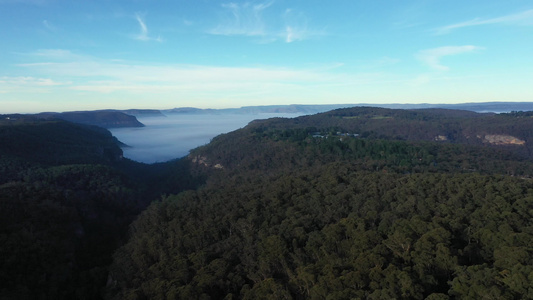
(53, 54)
(296, 27)
(379, 63)
(143, 34)
(432, 57)
(89, 74)
(18, 85)
(61, 75)
(242, 19)
(29, 81)
(48, 25)
(249, 19)
(522, 18)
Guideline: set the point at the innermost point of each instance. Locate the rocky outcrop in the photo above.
(503, 139)
(203, 161)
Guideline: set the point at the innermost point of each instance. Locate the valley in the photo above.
(361, 202)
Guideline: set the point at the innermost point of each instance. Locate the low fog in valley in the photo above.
(170, 137)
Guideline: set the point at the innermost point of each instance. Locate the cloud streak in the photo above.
(243, 19)
(92, 75)
(296, 27)
(432, 57)
(19, 85)
(48, 25)
(90, 82)
(297, 34)
(249, 19)
(143, 34)
(29, 81)
(522, 18)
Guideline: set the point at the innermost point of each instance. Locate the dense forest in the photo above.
(360, 203)
(66, 199)
(335, 233)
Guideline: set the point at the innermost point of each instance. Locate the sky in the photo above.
(115, 54)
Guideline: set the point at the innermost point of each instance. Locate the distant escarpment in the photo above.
(143, 112)
(314, 109)
(101, 118)
(435, 140)
(361, 203)
(442, 125)
(57, 142)
(264, 109)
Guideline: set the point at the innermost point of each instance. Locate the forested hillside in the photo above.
(101, 118)
(66, 199)
(360, 203)
(335, 233)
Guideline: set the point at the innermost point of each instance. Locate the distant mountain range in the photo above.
(495, 107)
(356, 203)
(128, 118)
(100, 118)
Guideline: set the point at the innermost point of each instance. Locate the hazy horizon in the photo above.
(143, 54)
(340, 105)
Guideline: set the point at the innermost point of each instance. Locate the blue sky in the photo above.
(82, 55)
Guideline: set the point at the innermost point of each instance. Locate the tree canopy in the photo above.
(362, 203)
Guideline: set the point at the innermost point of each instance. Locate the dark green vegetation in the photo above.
(336, 233)
(305, 208)
(362, 203)
(102, 118)
(66, 199)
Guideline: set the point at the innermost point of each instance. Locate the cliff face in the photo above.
(105, 119)
(143, 112)
(503, 139)
(57, 142)
(204, 161)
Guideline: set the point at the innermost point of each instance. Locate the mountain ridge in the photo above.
(357, 203)
(116, 118)
(495, 107)
(363, 202)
